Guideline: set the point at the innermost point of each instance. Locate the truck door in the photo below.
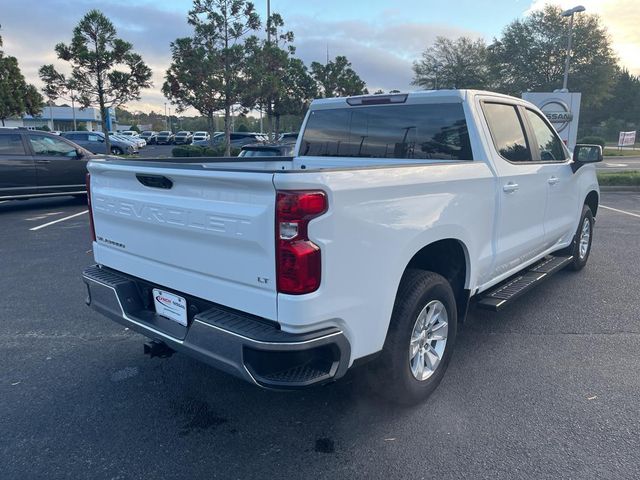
(563, 205)
(17, 171)
(522, 191)
(58, 167)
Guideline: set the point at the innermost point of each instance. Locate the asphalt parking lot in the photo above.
(156, 151)
(548, 388)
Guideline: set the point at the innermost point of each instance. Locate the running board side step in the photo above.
(502, 294)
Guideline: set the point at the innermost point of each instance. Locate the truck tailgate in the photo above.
(210, 234)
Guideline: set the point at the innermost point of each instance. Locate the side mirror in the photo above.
(583, 154)
(79, 153)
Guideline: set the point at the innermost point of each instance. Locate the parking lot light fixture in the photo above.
(569, 13)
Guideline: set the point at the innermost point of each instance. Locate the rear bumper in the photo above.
(243, 345)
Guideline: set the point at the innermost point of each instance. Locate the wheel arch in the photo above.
(592, 200)
(448, 257)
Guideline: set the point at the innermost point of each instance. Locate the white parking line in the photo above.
(621, 211)
(58, 220)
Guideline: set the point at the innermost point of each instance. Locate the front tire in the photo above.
(581, 246)
(420, 340)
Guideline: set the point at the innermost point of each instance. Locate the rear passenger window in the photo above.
(507, 132)
(429, 131)
(11, 144)
(549, 145)
(45, 145)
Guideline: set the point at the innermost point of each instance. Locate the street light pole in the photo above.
(569, 13)
(166, 119)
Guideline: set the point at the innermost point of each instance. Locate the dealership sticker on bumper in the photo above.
(170, 306)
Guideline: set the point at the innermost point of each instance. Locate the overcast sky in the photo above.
(380, 38)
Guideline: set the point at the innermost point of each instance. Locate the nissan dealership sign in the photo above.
(562, 109)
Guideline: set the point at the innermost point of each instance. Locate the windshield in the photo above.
(399, 131)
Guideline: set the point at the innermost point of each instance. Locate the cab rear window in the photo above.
(429, 131)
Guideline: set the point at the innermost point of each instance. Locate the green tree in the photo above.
(459, 63)
(620, 113)
(134, 128)
(207, 69)
(625, 98)
(104, 69)
(530, 56)
(337, 78)
(280, 84)
(17, 97)
(57, 85)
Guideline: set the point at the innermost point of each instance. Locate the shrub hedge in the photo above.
(593, 140)
(202, 151)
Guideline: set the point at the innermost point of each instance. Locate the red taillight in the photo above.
(298, 260)
(93, 229)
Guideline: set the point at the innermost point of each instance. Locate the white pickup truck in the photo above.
(367, 244)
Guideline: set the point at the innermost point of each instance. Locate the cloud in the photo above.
(381, 53)
(621, 17)
(31, 38)
(381, 49)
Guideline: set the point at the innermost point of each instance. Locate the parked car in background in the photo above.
(200, 136)
(290, 137)
(129, 133)
(149, 136)
(238, 139)
(135, 141)
(95, 143)
(165, 138)
(40, 164)
(268, 150)
(183, 138)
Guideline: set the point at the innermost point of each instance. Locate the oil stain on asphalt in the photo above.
(198, 415)
(325, 445)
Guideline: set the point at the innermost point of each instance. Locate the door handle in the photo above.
(43, 161)
(553, 180)
(510, 187)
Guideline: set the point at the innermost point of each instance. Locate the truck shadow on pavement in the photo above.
(28, 206)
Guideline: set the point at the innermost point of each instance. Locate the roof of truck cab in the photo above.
(420, 96)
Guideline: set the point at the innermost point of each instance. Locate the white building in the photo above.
(61, 118)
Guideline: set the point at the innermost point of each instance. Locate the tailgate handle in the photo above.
(154, 181)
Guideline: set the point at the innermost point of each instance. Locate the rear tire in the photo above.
(420, 340)
(116, 151)
(581, 246)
